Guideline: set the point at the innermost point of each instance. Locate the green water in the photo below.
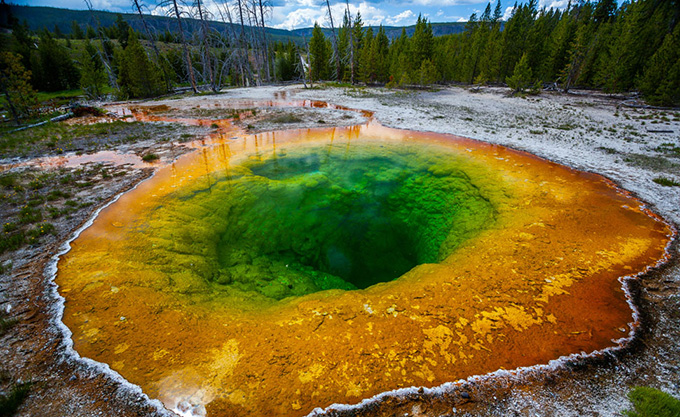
(314, 219)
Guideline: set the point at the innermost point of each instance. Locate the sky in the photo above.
(295, 14)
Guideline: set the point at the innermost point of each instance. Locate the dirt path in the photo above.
(586, 131)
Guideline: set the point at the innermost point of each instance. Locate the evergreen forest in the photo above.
(618, 48)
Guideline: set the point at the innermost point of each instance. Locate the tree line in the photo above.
(634, 47)
(631, 47)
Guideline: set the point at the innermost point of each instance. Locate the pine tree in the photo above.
(382, 45)
(604, 12)
(122, 30)
(52, 66)
(20, 98)
(521, 78)
(58, 34)
(660, 83)
(76, 31)
(399, 57)
(368, 58)
(93, 77)
(497, 13)
(319, 52)
(358, 36)
(423, 41)
(138, 76)
(639, 31)
(90, 33)
(559, 44)
(343, 48)
(515, 35)
(428, 73)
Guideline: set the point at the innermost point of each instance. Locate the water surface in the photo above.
(275, 273)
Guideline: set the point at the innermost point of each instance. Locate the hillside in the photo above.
(438, 29)
(47, 17)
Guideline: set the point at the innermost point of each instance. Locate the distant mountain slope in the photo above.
(48, 17)
(438, 29)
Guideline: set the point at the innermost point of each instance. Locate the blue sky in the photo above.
(294, 14)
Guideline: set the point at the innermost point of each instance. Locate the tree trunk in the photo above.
(243, 45)
(351, 44)
(187, 56)
(266, 43)
(152, 39)
(105, 60)
(12, 109)
(338, 68)
(233, 37)
(207, 61)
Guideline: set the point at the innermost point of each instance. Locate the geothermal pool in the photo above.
(279, 272)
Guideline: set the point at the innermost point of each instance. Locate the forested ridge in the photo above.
(634, 46)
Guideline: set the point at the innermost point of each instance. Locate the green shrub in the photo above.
(651, 402)
(10, 403)
(149, 157)
(666, 182)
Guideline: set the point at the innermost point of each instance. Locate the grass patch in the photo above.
(150, 157)
(10, 403)
(651, 402)
(59, 95)
(666, 182)
(654, 163)
(57, 138)
(669, 148)
(6, 324)
(12, 241)
(610, 151)
(565, 126)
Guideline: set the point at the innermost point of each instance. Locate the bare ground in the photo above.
(588, 131)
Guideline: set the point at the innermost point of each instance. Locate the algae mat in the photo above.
(276, 273)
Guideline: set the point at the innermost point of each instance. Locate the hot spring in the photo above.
(276, 273)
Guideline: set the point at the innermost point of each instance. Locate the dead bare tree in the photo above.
(239, 50)
(228, 41)
(102, 55)
(336, 54)
(206, 54)
(351, 43)
(243, 42)
(173, 8)
(303, 66)
(263, 5)
(253, 41)
(150, 36)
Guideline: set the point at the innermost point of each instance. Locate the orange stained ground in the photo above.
(541, 283)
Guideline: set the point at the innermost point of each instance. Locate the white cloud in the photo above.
(462, 19)
(508, 13)
(298, 18)
(407, 14)
(291, 17)
(445, 3)
(553, 4)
